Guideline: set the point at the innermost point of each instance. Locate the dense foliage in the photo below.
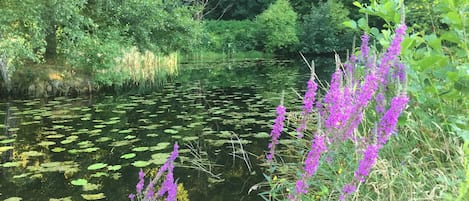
(322, 29)
(88, 36)
(277, 27)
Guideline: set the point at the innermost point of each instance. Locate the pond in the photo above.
(91, 148)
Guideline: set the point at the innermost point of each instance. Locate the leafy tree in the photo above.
(278, 27)
(323, 31)
(235, 10)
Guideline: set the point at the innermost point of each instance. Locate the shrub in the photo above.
(230, 35)
(278, 27)
(322, 29)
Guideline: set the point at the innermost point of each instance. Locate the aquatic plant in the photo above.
(344, 116)
(168, 186)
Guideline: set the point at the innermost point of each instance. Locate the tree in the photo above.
(277, 26)
(323, 31)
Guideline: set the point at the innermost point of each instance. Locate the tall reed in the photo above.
(145, 68)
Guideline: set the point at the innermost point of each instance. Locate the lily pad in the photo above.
(58, 149)
(5, 148)
(14, 199)
(97, 166)
(128, 156)
(141, 163)
(140, 149)
(114, 167)
(79, 182)
(171, 131)
(160, 158)
(98, 196)
(6, 141)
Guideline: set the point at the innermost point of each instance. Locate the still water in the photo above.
(91, 148)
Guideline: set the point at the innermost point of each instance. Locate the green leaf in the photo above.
(351, 24)
(79, 182)
(357, 4)
(97, 166)
(141, 163)
(128, 156)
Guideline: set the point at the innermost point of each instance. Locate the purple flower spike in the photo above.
(347, 190)
(276, 131)
(312, 160)
(141, 182)
(389, 120)
(364, 47)
(308, 102)
(369, 158)
(132, 197)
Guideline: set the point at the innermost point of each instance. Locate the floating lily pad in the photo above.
(103, 139)
(6, 141)
(11, 164)
(91, 187)
(190, 138)
(5, 148)
(128, 156)
(100, 174)
(58, 149)
(140, 149)
(56, 136)
(114, 167)
(14, 199)
(141, 163)
(171, 131)
(97, 166)
(159, 158)
(262, 135)
(69, 198)
(128, 137)
(79, 182)
(32, 153)
(98, 196)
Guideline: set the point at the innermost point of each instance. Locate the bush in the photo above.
(323, 31)
(230, 35)
(278, 27)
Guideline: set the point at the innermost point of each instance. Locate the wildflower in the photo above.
(312, 160)
(141, 182)
(276, 130)
(389, 120)
(380, 102)
(365, 164)
(132, 197)
(169, 186)
(364, 47)
(347, 190)
(308, 102)
(150, 191)
(391, 54)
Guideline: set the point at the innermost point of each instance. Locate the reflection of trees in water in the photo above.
(9, 122)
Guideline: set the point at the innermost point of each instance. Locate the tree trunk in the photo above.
(51, 47)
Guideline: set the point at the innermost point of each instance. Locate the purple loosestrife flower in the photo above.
(347, 190)
(365, 50)
(276, 130)
(390, 56)
(168, 185)
(308, 102)
(132, 197)
(318, 146)
(332, 99)
(141, 182)
(364, 165)
(380, 102)
(150, 191)
(389, 120)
